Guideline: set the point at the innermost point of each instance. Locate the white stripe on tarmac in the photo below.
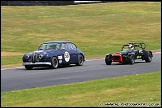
(11, 68)
(86, 60)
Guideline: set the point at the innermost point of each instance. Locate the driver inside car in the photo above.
(131, 47)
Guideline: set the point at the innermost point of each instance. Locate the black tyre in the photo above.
(54, 63)
(148, 57)
(29, 67)
(132, 59)
(108, 59)
(80, 60)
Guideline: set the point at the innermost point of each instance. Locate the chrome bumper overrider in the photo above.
(36, 63)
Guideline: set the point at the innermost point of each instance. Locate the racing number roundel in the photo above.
(67, 56)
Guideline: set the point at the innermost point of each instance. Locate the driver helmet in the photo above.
(131, 47)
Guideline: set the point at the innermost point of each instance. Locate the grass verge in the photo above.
(139, 88)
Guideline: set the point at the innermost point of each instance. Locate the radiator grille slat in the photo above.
(34, 57)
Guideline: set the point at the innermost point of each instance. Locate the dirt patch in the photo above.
(11, 53)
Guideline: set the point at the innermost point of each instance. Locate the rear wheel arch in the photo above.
(80, 60)
(83, 56)
(148, 56)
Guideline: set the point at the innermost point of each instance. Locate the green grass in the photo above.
(11, 60)
(139, 88)
(96, 29)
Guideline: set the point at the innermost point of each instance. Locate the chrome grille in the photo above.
(34, 57)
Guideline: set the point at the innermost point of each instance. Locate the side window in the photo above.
(69, 46)
(58, 46)
(73, 46)
(43, 46)
(65, 46)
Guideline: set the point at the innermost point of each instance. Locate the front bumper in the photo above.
(117, 58)
(36, 63)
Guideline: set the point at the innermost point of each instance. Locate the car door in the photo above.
(73, 52)
(69, 53)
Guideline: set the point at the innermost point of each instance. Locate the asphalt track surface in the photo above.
(20, 78)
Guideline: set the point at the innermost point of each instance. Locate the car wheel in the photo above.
(80, 60)
(148, 57)
(108, 59)
(132, 59)
(54, 63)
(28, 67)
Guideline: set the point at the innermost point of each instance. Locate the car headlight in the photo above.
(27, 57)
